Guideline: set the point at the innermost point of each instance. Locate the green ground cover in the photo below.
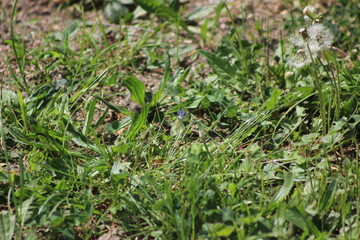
(152, 129)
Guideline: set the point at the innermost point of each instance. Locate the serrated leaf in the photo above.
(136, 88)
(219, 65)
(286, 187)
(273, 100)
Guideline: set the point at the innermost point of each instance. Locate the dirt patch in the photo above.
(34, 19)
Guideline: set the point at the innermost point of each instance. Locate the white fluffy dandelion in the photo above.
(311, 41)
(301, 58)
(320, 38)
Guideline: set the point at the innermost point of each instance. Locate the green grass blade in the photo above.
(161, 10)
(23, 112)
(327, 198)
(79, 138)
(116, 108)
(81, 93)
(89, 117)
(163, 82)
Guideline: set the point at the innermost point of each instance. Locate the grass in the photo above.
(101, 150)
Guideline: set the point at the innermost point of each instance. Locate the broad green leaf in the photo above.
(136, 88)
(177, 128)
(8, 97)
(273, 100)
(349, 106)
(200, 12)
(330, 140)
(286, 188)
(117, 125)
(115, 10)
(120, 167)
(327, 198)
(89, 116)
(138, 122)
(226, 231)
(298, 218)
(7, 225)
(26, 210)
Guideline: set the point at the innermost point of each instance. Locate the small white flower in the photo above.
(300, 40)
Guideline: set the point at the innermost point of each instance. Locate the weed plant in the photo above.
(243, 145)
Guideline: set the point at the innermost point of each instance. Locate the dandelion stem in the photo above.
(318, 86)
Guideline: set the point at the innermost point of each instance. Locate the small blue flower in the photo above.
(181, 114)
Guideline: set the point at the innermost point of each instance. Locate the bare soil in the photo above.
(35, 19)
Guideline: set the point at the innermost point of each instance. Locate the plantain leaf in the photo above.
(138, 121)
(225, 231)
(136, 88)
(286, 188)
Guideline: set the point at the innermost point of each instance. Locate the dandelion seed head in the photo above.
(320, 37)
(297, 41)
(301, 59)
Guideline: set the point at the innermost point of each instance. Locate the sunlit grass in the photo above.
(137, 136)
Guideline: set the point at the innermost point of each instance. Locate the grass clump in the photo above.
(154, 129)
